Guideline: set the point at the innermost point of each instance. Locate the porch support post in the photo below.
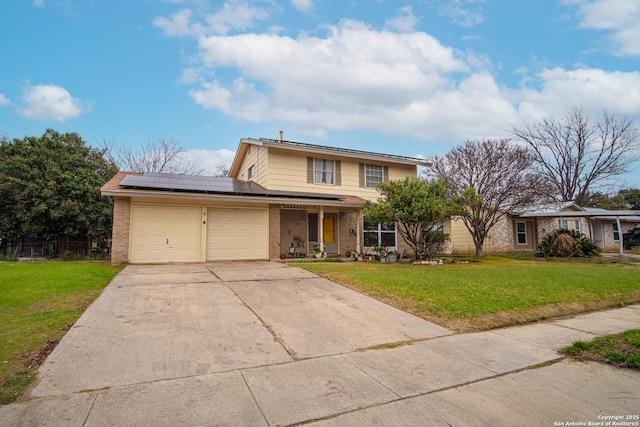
(358, 225)
(620, 235)
(321, 226)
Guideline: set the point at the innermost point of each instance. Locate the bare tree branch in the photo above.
(577, 154)
(160, 155)
(222, 169)
(490, 179)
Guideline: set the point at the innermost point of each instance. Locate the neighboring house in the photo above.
(525, 229)
(282, 197)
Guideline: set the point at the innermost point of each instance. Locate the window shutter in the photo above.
(338, 173)
(361, 174)
(385, 173)
(310, 170)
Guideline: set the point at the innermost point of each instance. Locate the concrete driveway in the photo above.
(167, 322)
(265, 344)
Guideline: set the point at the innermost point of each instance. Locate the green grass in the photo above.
(622, 350)
(38, 301)
(494, 291)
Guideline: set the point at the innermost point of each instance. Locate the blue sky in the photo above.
(404, 77)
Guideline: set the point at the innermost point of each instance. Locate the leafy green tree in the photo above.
(416, 207)
(631, 196)
(603, 201)
(50, 185)
(624, 199)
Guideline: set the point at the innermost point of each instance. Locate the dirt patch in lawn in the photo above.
(34, 359)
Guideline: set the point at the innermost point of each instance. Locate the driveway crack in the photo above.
(277, 338)
(95, 398)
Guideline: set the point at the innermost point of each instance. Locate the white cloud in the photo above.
(588, 88)
(462, 12)
(38, 3)
(4, 100)
(355, 77)
(233, 15)
(178, 25)
(209, 160)
(51, 102)
(404, 21)
(619, 17)
(190, 76)
(304, 6)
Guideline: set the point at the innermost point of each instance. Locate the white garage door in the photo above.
(165, 233)
(237, 234)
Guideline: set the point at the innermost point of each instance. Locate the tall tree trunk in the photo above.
(479, 251)
(478, 241)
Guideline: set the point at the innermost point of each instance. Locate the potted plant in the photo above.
(378, 249)
(392, 256)
(317, 251)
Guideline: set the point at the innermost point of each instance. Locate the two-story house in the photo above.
(282, 197)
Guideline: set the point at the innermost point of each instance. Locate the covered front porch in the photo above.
(336, 230)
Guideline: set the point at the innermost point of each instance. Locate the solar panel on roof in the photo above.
(207, 184)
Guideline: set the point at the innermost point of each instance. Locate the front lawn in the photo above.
(38, 303)
(493, 291)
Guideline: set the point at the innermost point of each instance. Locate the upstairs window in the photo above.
(251, 172)
(372, 175)
(324, 171)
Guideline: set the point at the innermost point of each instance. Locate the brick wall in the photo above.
(501, 236)
(348, 220)
(274, 232)
(120, 232)
(293, 223)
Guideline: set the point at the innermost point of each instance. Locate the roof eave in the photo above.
(580, 214)
(127, 192)
(364, 155)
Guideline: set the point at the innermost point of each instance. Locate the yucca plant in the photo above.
(566, 243)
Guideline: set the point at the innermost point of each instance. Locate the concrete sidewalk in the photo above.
(511, 376)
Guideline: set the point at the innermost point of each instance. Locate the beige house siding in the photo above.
(288, 172)
(462, 241)
(120, 232)
(257, 157)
